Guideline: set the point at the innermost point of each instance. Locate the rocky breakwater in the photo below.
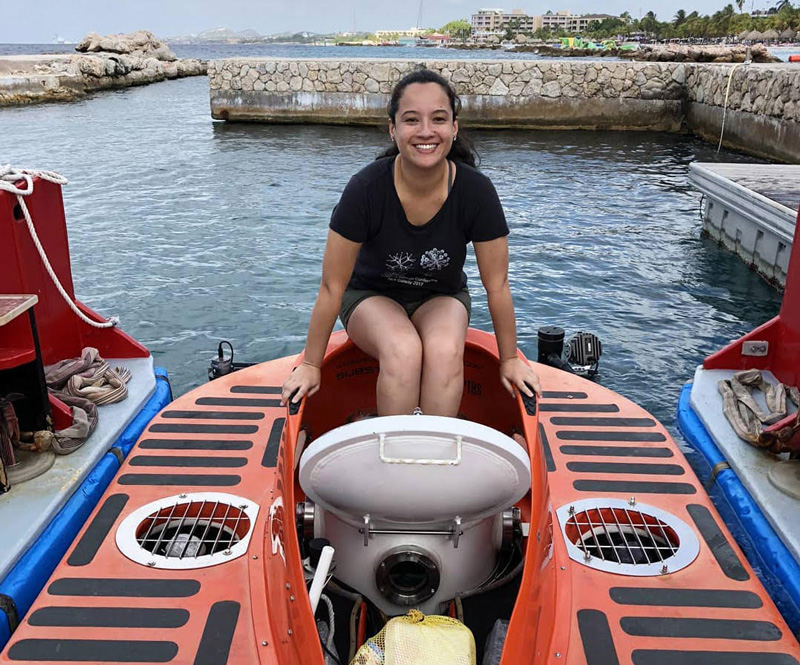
(532, 94)
(112, 61)
(759, 105)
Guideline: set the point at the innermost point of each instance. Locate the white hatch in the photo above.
(415, 470)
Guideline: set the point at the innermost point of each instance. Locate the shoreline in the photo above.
(57, 78)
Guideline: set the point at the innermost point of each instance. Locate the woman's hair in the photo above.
(462, 149)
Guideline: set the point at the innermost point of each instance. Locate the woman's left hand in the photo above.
(515, 373)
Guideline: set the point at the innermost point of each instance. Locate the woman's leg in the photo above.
(442, 326)
(381, 328)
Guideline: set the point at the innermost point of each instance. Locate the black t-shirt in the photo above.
(413, 260)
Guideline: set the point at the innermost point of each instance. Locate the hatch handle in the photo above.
(453, 461)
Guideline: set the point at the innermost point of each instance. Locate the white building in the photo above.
(495, 22)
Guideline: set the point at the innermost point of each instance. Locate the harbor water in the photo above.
(192, 231)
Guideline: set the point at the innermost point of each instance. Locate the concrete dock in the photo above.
(752, 210)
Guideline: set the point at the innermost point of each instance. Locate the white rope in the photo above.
(8, 177)
(725, 105)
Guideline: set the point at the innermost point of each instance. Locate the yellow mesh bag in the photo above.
(417, 639)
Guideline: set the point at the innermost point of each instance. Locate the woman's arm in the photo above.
(337, 267)
(492, 259)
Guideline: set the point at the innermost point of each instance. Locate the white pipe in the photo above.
(320, 575)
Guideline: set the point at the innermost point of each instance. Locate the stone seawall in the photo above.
(665, 96)
(762, 115)
(44, 78)
(534, 94)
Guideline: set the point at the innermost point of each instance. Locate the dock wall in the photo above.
(531, 94)
(763, 115)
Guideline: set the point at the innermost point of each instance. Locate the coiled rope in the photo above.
(8, 178)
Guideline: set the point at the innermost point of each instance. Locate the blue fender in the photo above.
(778, 570)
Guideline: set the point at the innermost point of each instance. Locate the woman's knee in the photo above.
(402, 356)
(444, 356)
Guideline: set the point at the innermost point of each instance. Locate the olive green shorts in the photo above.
(352, 298)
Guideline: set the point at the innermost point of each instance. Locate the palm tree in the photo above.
(680, 16)
(740, 5)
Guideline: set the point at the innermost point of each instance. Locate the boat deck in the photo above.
(30, 506)
(229, 436)
(752, 210)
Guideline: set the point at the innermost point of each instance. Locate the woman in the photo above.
(394, 260)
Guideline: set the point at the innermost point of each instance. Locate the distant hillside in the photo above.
(228, 35)
(219, 35)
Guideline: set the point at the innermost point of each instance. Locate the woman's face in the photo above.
(423, 126)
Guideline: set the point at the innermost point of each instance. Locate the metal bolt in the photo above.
(151, 563)
(264, 643)
(288, 586)
(227, 552)
(243, 506)
(632, 501)
(182, 496)
(587, 557)
(255, 556)
(289, 632)
(291, 599)
(563, 567)
(664, 569)
(558, 654)
(572, 510)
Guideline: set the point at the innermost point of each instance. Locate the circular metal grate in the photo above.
(188, 531)
(626, 537)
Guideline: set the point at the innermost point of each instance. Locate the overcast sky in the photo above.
(40, 22)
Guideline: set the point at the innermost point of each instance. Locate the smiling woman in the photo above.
(394, 259)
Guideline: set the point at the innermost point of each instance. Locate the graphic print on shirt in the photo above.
(399, 262)
(434, 259)
(398, 265)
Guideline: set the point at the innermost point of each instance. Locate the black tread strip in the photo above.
(214, 415)
(189, 480)
(626, 467)
(257, 390)
(640, 486)
(98, 529)
(97, 651)
(598, 644)
(685, 597)
(548, 453)
(664, 657)
(9, 607)
(109, 617)
(123, 588)
(237, 401)
(616, 451)
(563, 394)
(194, 444)
(580, 408)
(599, 421)
(180, 428)
(270, 458)
(175, 460)
(718, 543)
(583, 435)
(719, 629)
(215, 644)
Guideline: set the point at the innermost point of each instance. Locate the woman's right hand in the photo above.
(303, 381)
